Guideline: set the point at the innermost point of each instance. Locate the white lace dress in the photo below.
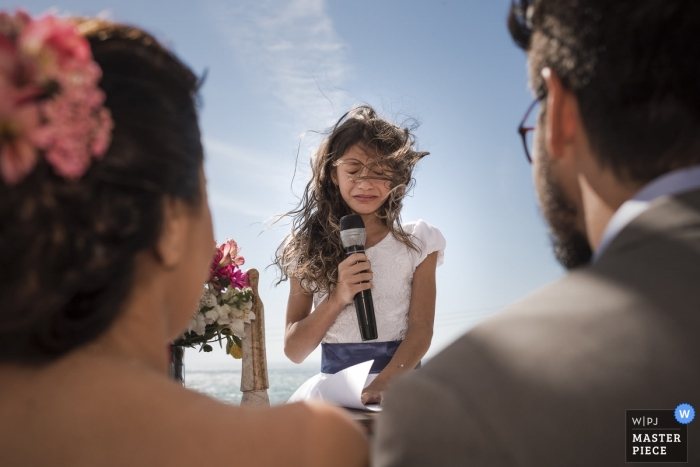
(393, 265)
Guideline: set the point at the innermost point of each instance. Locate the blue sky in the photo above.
(278, 68)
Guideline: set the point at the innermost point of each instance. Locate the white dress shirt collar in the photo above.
(668, 184)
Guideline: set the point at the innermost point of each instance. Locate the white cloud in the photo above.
(249, 164)
(291, 49)
(248, 182)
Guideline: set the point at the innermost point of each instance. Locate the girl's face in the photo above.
(363, 183)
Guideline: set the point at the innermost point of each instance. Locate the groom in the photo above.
(616, 163)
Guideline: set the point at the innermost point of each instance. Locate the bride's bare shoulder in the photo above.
(140, 417)
(303, 434)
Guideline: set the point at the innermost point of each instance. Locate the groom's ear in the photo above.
(562, 116)
(170, 247)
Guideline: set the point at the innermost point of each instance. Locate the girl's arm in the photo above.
(305, 330)
(421, 315)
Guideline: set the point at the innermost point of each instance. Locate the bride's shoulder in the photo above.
(141, 417)
(303, 434)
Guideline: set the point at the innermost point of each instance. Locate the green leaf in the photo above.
(207, 348)
(237, 340)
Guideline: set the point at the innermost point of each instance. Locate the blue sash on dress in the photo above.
(337, 357)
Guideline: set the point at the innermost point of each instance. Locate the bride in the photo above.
(105, 242)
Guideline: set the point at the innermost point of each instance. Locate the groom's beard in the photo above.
(571, 247)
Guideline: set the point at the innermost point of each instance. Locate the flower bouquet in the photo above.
(225, 305)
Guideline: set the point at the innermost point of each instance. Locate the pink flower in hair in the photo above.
(81, 126)
(50, 98)
(53, 46)
(10, 25)
(8, 58)
(18, 125)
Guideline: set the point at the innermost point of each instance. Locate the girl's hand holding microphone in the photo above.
(354, 276)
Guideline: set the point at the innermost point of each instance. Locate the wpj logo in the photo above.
(658, 435)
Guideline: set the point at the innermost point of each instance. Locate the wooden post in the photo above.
(254, 383)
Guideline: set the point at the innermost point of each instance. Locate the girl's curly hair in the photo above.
(312, 251)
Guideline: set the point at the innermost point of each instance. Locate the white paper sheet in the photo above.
(345, 387)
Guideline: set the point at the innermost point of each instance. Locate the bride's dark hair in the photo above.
(67, 248)
(312, 251)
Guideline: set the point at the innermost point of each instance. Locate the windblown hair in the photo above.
(67, 248)
(312, 251)
(633, 67)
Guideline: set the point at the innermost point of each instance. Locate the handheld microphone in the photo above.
(353, 236)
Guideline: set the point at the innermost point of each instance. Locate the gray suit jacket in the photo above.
(547, 382)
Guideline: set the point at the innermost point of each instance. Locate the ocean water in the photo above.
(224, 383)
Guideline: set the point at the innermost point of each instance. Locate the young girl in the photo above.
(364, 167)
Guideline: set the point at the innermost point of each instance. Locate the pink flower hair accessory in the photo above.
(50, 102)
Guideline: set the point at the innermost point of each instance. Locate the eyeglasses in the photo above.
(525, 131)
(356, 171)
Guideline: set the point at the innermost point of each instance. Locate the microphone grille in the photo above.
(353, 221)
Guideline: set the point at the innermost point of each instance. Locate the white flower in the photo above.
(238, 328)
(212, 315)
(229, 294)
(238, 313)
(224, 311)
(208, 299)
(197, 325)
(225, 320)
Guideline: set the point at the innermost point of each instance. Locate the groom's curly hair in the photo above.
(67, 247)
(633, 66)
